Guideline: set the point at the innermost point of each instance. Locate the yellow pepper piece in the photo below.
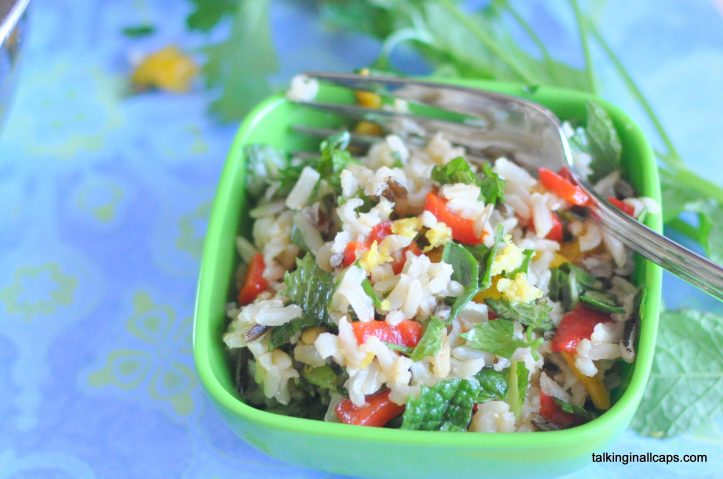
(593, 385)
(368, 99)
(368, 128)
(168, 69)
(310, 334)
(571, 251)
(435, 256)
(489, 293)
(558, 260)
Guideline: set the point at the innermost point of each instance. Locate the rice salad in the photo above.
(418, 287)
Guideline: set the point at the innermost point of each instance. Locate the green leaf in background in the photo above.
(686, 381)
(311, 288)
(494, 337)
(240, 66)
(493, 385)
(431, 341)
(446, 406)
(207, 14)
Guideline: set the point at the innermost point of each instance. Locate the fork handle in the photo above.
(692, 267)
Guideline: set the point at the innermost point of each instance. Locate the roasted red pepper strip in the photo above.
(377, 411)
(379, 232)
(552, 411)
(352, 251)
(407, 333)
(462, 228)
(575, 326)
(555, 233)
(254, 284)
(563, 188)
(622, 206)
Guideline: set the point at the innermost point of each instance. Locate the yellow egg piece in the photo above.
(439, 235)
(407, 227)
(508, 258)
(374, 257)
(518, 290)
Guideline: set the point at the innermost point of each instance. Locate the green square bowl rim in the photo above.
(203, 342)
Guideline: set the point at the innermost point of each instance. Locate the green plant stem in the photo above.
(582, 33)
(683, 175)
(684, 228)
(549, 61)
(488, 41)
(672, 158)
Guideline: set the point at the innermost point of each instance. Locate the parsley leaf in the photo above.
(533, 315)
(446, 406)
(494, 337)
(486, 279)
(323, 377)
(686, 381)
(431, 341)
(281, 335)
(334, 157)
(465, 271)
(574, 410)
(493, 385)
(599, 139)
(491, 186)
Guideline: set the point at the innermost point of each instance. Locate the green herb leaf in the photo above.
(311, 288)
(494, 337)
(603, 142)
(323, 377)
(533, 315)
(574, 410)
(604, 302)
(264, 165)
(369, 290)
(465, 271)
(446, 406)
(493, 385)
(491, 186)
(686, 381)
(334, 157)
(525, 265)
(406, 350)
(431, 341)
(517, 378)
(486, 279)
(281, 335)
(456, 170)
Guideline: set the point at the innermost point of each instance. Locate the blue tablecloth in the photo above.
(103, 203)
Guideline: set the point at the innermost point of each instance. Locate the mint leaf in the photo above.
(516, 386)
(493, 385)
(446, 406)
(263, 165)
(602, 141)
(533, 315)
(465, 271)
(686, 380)
(281, 335)
(494, 337)
(431, 341)
(334, 157)
(311, 288)
(486, 280)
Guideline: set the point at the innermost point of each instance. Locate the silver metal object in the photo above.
(486, 121)
(13, 27)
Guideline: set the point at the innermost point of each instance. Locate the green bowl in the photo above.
(379, 452)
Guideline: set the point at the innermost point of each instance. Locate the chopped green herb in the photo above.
(431, 341)
(533, 315)
(517, 378)
(604, 302)
(492, 187)
(323, 377)
(311, 288)
(465, 271)
(281, 335)
(574, 410)
(486, 279)
(369, 290)
(495, 337)
(406, 350)
(334, 157)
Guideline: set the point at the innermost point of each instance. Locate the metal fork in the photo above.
(491, 124)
